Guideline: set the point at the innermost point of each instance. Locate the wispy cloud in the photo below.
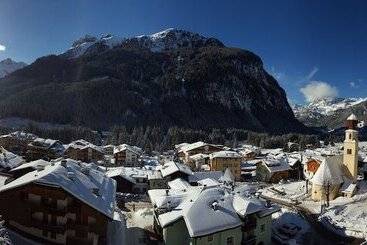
(312, 73)
(316, 90)
(2, 47)
(278, 75)
(357, 83)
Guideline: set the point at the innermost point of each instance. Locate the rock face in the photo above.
(8, 66)
(331, 113)
(171, 78)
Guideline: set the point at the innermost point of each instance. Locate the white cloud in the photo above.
(353, 84)
(316, 90)
(2, 47)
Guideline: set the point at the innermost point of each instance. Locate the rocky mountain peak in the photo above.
(8, 66)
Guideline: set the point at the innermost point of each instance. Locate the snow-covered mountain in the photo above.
(330, 113)
(325, 107)
(8, 66)
(162, 41)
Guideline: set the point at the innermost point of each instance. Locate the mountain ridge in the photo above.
(191, 81)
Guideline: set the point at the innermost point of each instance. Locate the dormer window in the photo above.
(349, 151)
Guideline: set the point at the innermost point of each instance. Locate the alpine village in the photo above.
(174, 138)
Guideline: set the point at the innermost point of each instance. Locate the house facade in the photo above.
(126, 155)
(17, 142)
(84, 151)
(220, 161)
(61, 203)
(44, 149)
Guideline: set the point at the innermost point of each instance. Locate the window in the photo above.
(262, 227)
(210, 238)
(349, 151)
(230, 240)
(350, 136)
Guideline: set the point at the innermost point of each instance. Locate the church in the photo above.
(337, 175)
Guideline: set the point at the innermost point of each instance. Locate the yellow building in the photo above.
(338, 174)
(220, 161)
(350, 156)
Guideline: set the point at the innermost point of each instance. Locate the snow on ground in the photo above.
(349, 219)
(345, 216)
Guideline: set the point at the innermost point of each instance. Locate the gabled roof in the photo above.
(276, 165)
(178, 184)
(84, 183)
(83, 144)
(205, 210)
(211, 212)
(127, 147)
(190, 147)
(9, 159)
(33, 164)
(171, 167)
(329, 172)
(225, 154)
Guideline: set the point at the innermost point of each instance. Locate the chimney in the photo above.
(215, 205)
(167, 191)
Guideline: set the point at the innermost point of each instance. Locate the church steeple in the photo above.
(350, 156)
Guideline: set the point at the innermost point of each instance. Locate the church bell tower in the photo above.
(350, 156)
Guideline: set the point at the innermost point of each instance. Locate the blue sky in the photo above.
(300, 42)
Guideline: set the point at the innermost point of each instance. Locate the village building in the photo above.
(337, 175)
(272, 170)
(210, 215)
(65, 202)
(46, 149)
(9, 160)
(108, 149)
(221, 160)
(130, 179)
(156, 180)
(186, 150)
(248, 168)
(198, 160)
(126, 155)
(249, 153)
(84, 151)
(17, 142)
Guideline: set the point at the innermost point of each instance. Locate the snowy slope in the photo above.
(165, 40)
(325, 107)
(8, 66)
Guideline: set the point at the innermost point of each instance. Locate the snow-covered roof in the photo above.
(205, 210)
(208, 182)
(32, 164)
(123, 147)
(129, 173)
(86, 184)
(197, 176)
(211, 212)
(244, 206)
(227, 176)
(20, 135)
(225, 154)
(9, 159)
(171, 167)
(276, 165)
(352, 117)
(83, 144)
(179, 184)
(329, 172)
(199, 156)
(189, 147)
